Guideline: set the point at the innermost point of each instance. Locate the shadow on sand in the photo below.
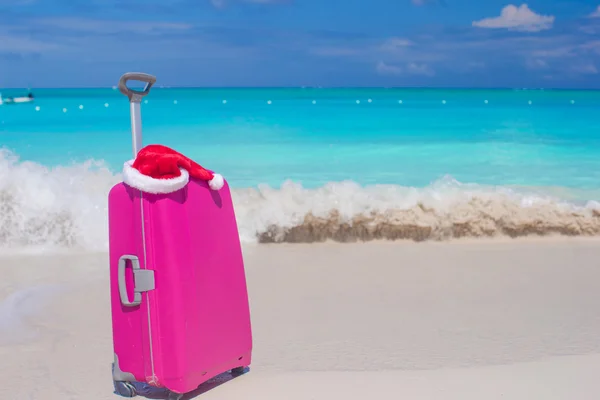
(146, 391)
(213, 383)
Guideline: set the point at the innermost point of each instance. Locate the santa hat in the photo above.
(160, 169)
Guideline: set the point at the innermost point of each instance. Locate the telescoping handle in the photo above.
(136, 76)
(135, 99)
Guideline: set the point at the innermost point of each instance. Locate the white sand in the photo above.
(463, 320)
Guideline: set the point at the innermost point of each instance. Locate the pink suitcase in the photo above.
(180, 312)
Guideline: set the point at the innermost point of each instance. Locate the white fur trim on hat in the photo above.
(136, 179)
(216, 182)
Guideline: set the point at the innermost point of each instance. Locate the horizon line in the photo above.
(158, 87)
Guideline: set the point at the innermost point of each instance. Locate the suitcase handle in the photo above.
(136, 95)
(143, 279)
(135, 100)
(135, 265)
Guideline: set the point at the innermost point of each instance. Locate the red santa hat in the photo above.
(160, 169)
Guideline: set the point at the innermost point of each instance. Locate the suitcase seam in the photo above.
(147, 295)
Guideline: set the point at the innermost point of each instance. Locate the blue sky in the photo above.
(440, 43)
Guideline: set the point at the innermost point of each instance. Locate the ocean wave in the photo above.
(347, 212)
(65, 207)
(52, 208)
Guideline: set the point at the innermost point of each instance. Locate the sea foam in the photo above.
(19, 307)
(65, 207)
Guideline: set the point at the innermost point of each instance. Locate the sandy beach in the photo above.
(494, 319)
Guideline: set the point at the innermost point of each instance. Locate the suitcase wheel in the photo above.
(175, 396)
(237, 371)
(125, 389)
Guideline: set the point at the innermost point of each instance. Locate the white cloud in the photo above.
(593, 46)
(395, 43)
(22, 44)
(590, 30)
(223, 3)
(16, 2)
(335, 51)
(556, 52)
(383, 68)
(517, 18)
(596, 13)
(423, 2)
(536, 63)
(419, 69)
(107, 26)
(476, 65)
(387, 69)
(586, 69)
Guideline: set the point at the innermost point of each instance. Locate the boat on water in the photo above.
(16, 100)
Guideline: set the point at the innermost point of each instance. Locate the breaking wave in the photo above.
(65, 207)
(347, 212)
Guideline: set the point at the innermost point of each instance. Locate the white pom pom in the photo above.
(216, 182)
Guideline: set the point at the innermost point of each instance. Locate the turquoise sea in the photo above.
(310, 164)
